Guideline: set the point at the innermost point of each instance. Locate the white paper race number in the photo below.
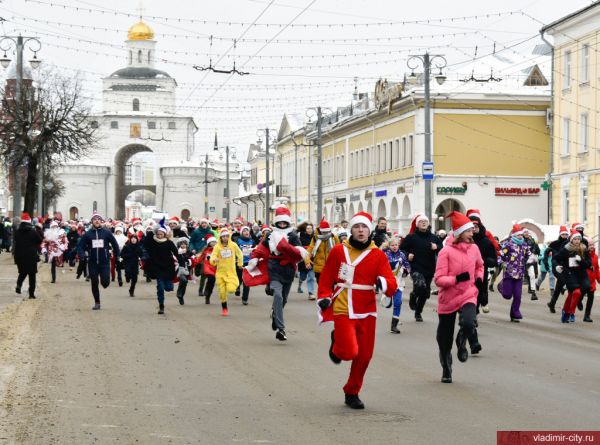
(225, 253)
(346, 272)
(98, 244)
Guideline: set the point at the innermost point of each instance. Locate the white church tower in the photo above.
(139, 114)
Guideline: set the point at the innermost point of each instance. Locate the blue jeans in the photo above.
(397, 300)
(163, 286)
(551, 278)
(309, 277)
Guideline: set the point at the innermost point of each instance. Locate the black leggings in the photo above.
(21, 279)
(99, 275)
(210, 285)
(445, 330)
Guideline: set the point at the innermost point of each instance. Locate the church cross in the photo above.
(141, 9)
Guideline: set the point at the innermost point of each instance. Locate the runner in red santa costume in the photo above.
(355, 270)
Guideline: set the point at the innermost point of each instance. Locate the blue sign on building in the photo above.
(428, 171)
(380, 193)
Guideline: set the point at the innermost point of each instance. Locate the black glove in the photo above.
(378, 285)
(324, 303)
(463, 277)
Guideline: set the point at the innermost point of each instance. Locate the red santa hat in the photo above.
(210, 238)
(96, 215)
(25, 217)
(517, 230)
(324, 225)
(265, 227)
(54, 223)
(574, 234)
(460, 223)
(563, 230)
(474, 213)
(416, 220)
(577, 225)
(204, 220)
(174, 220)
(282, 214)
(362, 218)
(119, 228)
(224, 232)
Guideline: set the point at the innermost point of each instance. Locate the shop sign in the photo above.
(368, 194)
(340, 200)
(380, 193)
(328, 200)
(406, 188)
(451, 190)
(354, 197)
(517, 191)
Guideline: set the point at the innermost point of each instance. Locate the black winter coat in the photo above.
(27, 244)
(379, 237)
(419, 244)
(553, 248)
(277, 271)
(132, 254)
(575, 277)
(305, 240)
(486, 248)
(161, 258)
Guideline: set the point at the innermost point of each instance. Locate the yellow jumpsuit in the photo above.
(226, 258)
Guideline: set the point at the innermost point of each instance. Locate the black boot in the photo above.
(461, 341)
(394, 329)
(412, 301)
(334, 358)
(588, 308)
(552, 302)
(180, 298)
(446, 362)
(354, 402)
(207, 299)
(161, 308)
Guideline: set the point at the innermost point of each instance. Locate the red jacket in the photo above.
(361, 303)
(208, 269)
(594, 273)
(261, 253)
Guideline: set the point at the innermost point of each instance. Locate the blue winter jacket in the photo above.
(97, 243)
(246, 245)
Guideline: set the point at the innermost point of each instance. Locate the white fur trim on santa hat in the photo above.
(421, 218)
(162, 229)
(464, 227)
(223, 233)
(212, 239)
(361, 219)
(282, 216)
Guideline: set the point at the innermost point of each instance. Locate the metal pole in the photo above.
(319, 169)
(40, 197)
(206, 185)
(296, 183)
(309, 184)
(17, 170)
(268, 196)
(428, 192)
(227, 185)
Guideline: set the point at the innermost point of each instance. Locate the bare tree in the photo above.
(50, 125)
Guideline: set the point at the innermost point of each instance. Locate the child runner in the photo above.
(401, 268)
(162, 255)
(131, 255)
(185, 269)
(208, 270)
(226, 257)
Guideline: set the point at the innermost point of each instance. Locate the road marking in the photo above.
(100, 425)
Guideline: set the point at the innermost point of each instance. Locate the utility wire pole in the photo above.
(268, 185)
(319, 168)
(228, 197)
(206, 185)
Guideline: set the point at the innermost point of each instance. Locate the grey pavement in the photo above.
(127, 375)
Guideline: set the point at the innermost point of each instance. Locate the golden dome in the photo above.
(140, 31)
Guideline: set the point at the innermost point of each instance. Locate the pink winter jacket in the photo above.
(453, 260)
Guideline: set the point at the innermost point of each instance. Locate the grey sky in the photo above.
(236, 105)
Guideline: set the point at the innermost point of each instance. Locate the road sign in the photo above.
(427, 171)
(211, 209)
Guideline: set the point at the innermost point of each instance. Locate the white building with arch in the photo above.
(139, 114)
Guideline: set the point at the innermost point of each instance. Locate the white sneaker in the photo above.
(485, 309)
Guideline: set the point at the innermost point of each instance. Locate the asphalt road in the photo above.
(125, 375)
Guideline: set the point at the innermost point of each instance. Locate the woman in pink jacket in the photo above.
(458, 272)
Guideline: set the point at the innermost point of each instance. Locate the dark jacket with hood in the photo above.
(486, 248)
(379, 236)
(27, 244)
(574, 271)
(161, 258)
(98, 242)
(419, 244)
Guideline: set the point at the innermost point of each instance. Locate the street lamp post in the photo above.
(206, 185)
(319, 112)
(440, 62)
(19, 42)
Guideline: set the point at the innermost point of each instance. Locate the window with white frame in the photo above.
(404, 157)
(352, 165)
(396, 154)
(376, 158)
(386, 148)
(390, 156)
(585, 63)
(583, 133)
(411, 150)
(361, 164)
(342, 168)
(565, 205)
(583, 205)
(382, 150)
(566, 136)
(567, 69)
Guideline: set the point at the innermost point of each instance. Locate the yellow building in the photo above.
(575, 163)
(490, 147)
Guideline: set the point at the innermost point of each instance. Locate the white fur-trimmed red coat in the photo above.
(361, 303)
